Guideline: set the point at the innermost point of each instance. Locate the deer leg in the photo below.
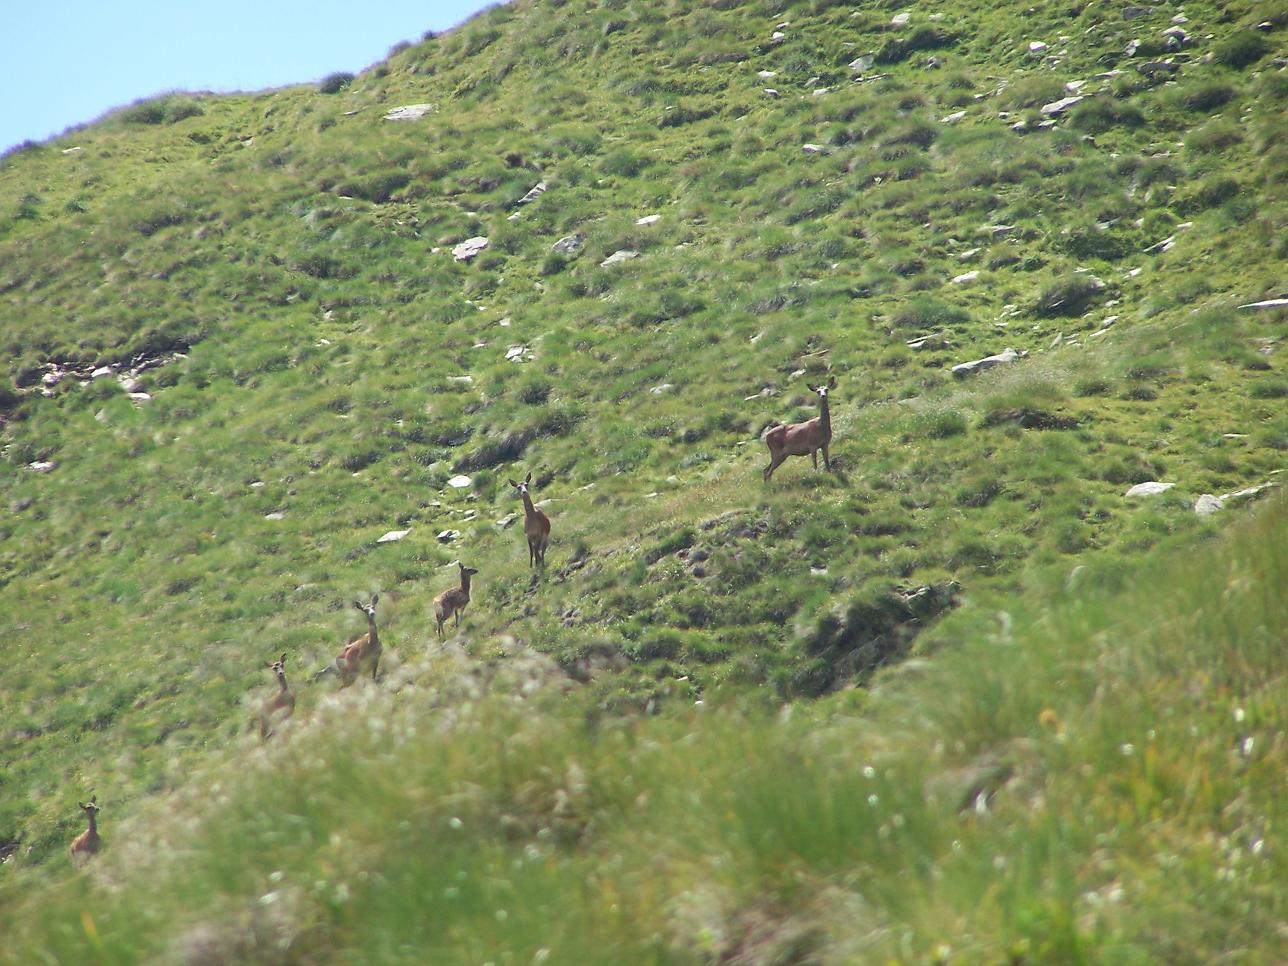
(374, 666)
(813, 455)
(827, 460)
(775, 460)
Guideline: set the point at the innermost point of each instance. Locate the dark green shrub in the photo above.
(1240, 49)
(923, 38)
(1102, 113)
(1269, 390)
(1209, 194)
(1068, 295)
(926, 312)
(334, 83)
(1208, 96)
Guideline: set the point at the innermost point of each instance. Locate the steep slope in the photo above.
(276, 273)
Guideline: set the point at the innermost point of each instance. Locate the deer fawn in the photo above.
(453, 600)
(536, 525)
(281, 705)
(87, 843)
(360, 653)
(801, 438)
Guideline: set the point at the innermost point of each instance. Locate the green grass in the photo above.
(285, 260)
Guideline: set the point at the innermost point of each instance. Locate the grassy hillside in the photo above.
(299, 364)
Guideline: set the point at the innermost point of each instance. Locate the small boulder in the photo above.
(1151, 488)
(535, 192)
(568, 245)
(1208, 504)
(964, 369)
(620, 255)
(863, 64)
(1056, 108)
(447, 536)
(900, 19)
(409, 112)
(459, 482)
(965, 278)
(648, 220)
(393, 536)
(469, 248)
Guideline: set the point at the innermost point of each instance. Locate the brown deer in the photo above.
(87, 843)
(279, 706)
(801, 438)
(453, 600)
(360, 653)
(536, 525)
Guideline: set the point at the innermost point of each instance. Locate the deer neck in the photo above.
(465, 584)
(528, 508)
(93, 824)
(825, 416)
(281, 682)
(372, 637)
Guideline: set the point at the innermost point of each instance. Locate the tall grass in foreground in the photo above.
(1096, 780)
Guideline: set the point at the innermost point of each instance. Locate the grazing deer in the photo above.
(281, 705)
(360, 653)
(87, 843)
(801, 438)
(453, 600)
(536, 525)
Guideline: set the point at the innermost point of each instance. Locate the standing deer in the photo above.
(279, 706)
(453, 600)
(536, 525)
(87, 843)
(360, 653)
(801, 438)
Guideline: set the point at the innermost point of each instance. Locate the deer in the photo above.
(536, 525)
(453, 600)
(87, 843)
(360, 653)
(798, 439)
(279, 706)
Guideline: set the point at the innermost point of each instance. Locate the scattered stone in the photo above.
(820, 91)
(648, 220)
(506, 520)
(1267, 304)
(778, 37)
(459, 482)
(102, 372)
(1074, 86)
(811, 148)
(951, 118)
(568, 245)
(663, 388)
(766, 74)
(409, 112)
(620, 255)
(139, 396)
(1000, 231)
(1150, 68)
(1152, 488)
(1056, 108)
(447, 536)
(1208, 504)
(863, 63)
(516, 352)
(964, 369)
(967, 255)
(1180, 18)
(71, 150)
(1176, 37)
(469, 248)
(770, 92)
(42, 466)
(1132, 47)
(927, 342)
(1038, 47)
(461, 380)
(1135, 13)
(393, 535)
(1248, 492)
(275, 515)
(966, 278)
(900, 19)
(535, 192)
(1020, 126)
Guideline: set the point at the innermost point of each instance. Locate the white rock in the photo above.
(447, 536)
(469, 248)
(567, 245)
(506, 520)
(770, 92)
(1152, 488)
(275, 515)
(535, 192)
(409, 112)
(967, 255)
(515, 353)
(864, 63)
(102, 372)
(41, 466)
(1208, 504)
(461, 380)
(900, 19)
(1267, 304)
(459, 482)
(965, 278)
(257, 484)
(1037, 46)
(140, 396)
(393, 535)
(778, 36)
(648, 220)
(766, 74)
(71, 150)
(620, 255)
(820, 91)
(1056, 108)
(663, 388)
(964, 369)
(954, 116)
(811, 148)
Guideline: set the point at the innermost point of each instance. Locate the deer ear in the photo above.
(283, 657)
(93, 800)
(374, 598)
(831, 382)
(811, 387)
(514, 484)
(358, 604)
(81, 806)
(528, 478)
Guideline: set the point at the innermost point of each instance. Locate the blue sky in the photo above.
(68, 61)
